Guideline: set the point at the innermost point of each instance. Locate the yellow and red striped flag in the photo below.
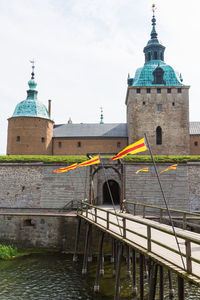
(173, 167)
(62, 170)
(92, 161)
(141, 170)
(134, 148)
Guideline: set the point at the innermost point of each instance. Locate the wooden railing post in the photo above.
(148, 237)
(134, 209)
(124, 228)
(161, 215)
(107, 219)
(95, 217)
(188, 256)
(184, 221)
(144, 211)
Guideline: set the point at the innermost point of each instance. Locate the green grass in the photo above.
(43, 158)
(68, 159)
(162, 158)
(7, 252)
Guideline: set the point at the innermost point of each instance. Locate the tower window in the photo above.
(169, 91)
(155, 55)
(158, 91)
(159, 107)
(148, 91)
(42, 139)
(79, 144)
(143, 102)
(149, 56)
(18, 138)
(59, 144)
(158, 135)
(138, 91)
(179, 90)
(118, 144)
(158, 74)
(196, 143)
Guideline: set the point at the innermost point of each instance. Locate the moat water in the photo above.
(55, 276)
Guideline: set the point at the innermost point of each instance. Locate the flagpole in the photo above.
(163, 194)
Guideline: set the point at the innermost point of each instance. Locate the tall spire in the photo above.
(154, 51)
(32, 93)
(101, 117)
(153, 32)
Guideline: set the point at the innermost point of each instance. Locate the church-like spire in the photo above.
(32, 93)
(101, 117)
(154, 50)
(153, 32)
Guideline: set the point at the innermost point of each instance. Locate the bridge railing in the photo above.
(146, 209)
(150, 236)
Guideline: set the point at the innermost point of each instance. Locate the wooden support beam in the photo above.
(171, 290)
(96, 286)
(75, 256)
(181, 294)
(85, 258)
(113, 251)
(117, 283)
(90, 246)
(161, 287)
(128, 271)
(153, 282)
(134, 273)
(141, 276)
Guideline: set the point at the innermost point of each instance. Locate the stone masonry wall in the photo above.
(144, 187)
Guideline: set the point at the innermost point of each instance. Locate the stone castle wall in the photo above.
(32, 186)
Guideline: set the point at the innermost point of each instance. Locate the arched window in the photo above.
(155, 55)
(158, 135)
(158, 74)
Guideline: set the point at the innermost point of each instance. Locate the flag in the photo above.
(173, 167)
(62, 170)
(141, 170)
(134, 148)
(92, 161)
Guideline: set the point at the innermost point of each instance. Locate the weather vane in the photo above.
(101, 118)
(33, 67)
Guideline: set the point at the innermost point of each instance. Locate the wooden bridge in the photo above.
(154, 241)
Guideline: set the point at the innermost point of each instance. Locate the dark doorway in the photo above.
(114, 190)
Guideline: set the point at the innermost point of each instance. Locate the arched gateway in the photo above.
(111, 187)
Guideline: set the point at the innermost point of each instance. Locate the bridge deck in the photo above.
(154, 239)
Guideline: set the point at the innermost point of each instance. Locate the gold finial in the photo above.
(153, 7)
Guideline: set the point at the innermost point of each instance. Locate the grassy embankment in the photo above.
(67, 159)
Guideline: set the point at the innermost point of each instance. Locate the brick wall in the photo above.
(67, 146)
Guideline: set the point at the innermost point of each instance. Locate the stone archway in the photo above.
(114, 190)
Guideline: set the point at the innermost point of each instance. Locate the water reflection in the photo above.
(55, 276)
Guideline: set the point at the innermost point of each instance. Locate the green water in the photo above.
(55, 276)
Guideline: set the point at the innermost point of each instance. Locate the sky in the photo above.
(84, 50)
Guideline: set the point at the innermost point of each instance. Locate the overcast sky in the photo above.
(84, 50)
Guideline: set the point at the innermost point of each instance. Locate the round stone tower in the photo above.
(158, 103)
(30, 129)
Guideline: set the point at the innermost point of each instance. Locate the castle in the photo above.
(157, 104)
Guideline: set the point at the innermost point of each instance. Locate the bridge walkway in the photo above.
(151, 238)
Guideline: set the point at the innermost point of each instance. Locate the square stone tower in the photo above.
(158, 103)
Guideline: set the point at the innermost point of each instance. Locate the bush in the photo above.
(7, 251)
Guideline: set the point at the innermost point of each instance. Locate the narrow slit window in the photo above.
(79, 144)
(43, 140)
(118, 144)
(59, 144)
(158, 135)
(18, 138)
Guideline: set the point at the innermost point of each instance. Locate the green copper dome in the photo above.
(155, 71)
(145, 76)
(31, 107)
